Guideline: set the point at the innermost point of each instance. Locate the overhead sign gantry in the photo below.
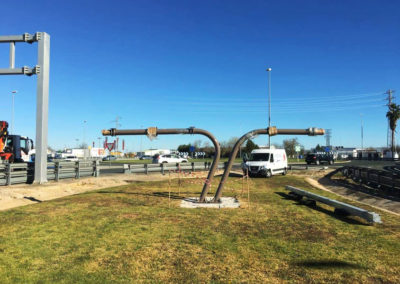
(42, 71)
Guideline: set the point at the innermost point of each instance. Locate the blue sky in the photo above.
(202, 63)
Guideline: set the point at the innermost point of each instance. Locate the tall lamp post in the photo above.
(12, 110)
(269, 104)
(362, 132)
(84, 132)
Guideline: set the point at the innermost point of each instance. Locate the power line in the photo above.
(191, 99)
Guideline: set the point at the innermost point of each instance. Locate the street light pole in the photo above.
(12, 111)
(84, 132)
(362, 132)
(269, 104)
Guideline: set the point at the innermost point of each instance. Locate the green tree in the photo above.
(290, 146)
(226, 147)
(184, 148)
(250, 146)
(318, 148)
(393, 115)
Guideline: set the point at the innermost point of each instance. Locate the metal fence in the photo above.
(24, 172)
(381, 182)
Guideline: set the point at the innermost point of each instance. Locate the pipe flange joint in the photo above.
(112, 131)
(191, 129)
(312, 131)
(272, 131)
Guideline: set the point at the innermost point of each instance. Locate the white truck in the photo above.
(265, 162)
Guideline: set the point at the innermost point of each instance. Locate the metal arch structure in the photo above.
(42, 71)
(154, 131)
(270, 131)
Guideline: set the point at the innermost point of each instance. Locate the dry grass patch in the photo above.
(135, 233)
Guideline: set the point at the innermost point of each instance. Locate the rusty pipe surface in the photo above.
(170, 131)
(271, 131)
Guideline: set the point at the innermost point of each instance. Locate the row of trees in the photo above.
(226, 147)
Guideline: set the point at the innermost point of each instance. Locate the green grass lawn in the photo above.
(135, 233)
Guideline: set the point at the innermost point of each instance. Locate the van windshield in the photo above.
(259, 157)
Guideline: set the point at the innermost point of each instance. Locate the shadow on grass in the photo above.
(154, 194)
(322, 264)
(32, 199)
(231, 174)
(323, 210)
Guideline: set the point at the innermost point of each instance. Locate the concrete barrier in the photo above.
(341, 207)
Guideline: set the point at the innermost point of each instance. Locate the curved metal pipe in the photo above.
(271, 131)
(190, 130)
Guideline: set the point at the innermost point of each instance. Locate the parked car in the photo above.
(109, 158)
(265, 162)
(319, 158)
(71, 159)
(160, 159)
(145, 157)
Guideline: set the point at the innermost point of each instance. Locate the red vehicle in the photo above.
(13, 148)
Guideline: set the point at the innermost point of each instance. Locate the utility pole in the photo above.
(390, 134)
(117, 125)
(269, 104)
(362, 132)
(84, 133)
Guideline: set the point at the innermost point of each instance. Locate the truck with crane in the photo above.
(14, 148)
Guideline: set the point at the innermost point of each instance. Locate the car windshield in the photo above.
(259, 157)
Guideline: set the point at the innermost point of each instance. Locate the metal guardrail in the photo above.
(340, 207)
(383, 182)
(24, 172)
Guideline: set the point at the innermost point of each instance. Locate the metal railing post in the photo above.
(146, 169)
(96, 168)
(57, 171)
(77, 170)
(192, 167)
(162, 168)
(8, 173)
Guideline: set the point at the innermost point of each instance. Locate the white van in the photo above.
(266, 162)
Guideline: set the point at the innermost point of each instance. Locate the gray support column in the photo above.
(12, 54)
(42, 103)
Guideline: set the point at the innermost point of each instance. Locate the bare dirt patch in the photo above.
(25, 194)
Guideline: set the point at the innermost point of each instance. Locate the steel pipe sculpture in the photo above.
(271, 131)
(153, 132)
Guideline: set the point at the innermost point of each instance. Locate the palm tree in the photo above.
(393, 115)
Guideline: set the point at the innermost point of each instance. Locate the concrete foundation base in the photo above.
(226, 202)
